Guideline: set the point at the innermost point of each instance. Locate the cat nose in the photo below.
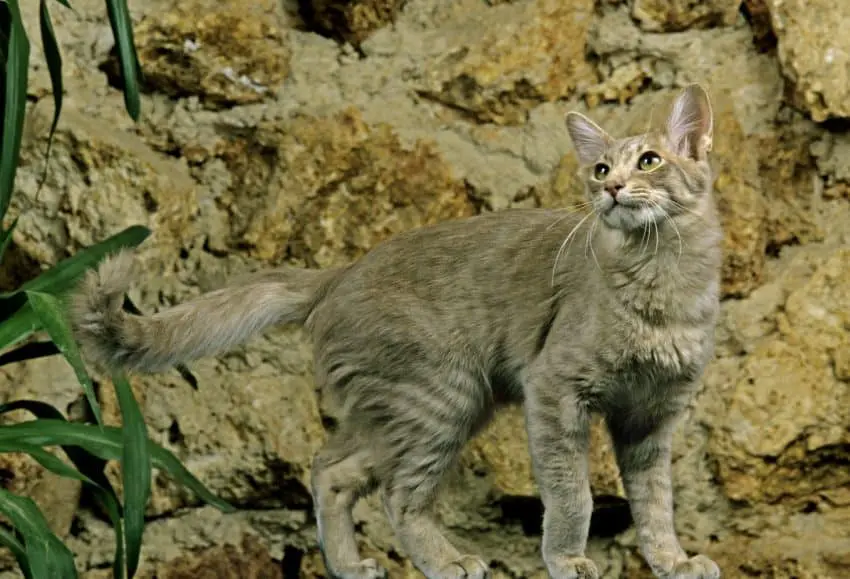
(613, 189)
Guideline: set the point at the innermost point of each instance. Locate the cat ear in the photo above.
(691, 123)
(589, 140)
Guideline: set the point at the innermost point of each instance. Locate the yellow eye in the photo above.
(648, 161)
(600, 171)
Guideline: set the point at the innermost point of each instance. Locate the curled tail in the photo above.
(210, 324)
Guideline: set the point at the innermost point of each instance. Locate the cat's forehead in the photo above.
(629, 147)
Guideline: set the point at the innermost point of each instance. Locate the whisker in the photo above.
(590, 242)
(569, 211)
(566, 241)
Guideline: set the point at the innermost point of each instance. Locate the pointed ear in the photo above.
(691, 123)
(589, 140)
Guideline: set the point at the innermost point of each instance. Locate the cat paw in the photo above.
(698, 567)
(365, 569)
(465, 567)
(572, 568)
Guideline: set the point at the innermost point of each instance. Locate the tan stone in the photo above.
(323, 191)
(789, 179)
(352, 21)
(678, 15)
(250, 560)
(226, 53)
(783, 431)
(522, 54)
(741, 204)
(102, 179)
(501, 450)
(815, 53)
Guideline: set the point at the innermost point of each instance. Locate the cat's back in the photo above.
(462, 253)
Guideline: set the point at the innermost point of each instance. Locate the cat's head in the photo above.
(639, 180)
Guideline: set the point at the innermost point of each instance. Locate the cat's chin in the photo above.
(629, 218)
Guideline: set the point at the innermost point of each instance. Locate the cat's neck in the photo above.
(671, 271)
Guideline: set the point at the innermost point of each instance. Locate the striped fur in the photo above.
(420, 340)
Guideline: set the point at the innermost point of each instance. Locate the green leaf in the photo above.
(54, 68)
(122, 30)
(18, 327)
(52, 316)
(6, 238)
(11, 542)
(93, 467)
(47, 554)
(135, 470)
(14, 105)
(106, 443)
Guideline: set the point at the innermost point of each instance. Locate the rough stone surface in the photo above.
(815, 53)
(352, 21)
(500, 64)
(678, 15)
(455, 107)
(224, 53)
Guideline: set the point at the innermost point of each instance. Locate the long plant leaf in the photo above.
(135, 470)
(14, 105)
(122, 30)
(93, 467)
(18, 326)
(50, 313)
(106, 443)
(47, 554)
(11, 542)
(54, 68)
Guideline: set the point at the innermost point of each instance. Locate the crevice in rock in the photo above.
(291, 562)
(611, 515)
(757, 14)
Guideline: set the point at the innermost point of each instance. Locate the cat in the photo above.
(422, 338)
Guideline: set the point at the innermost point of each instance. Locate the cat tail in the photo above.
(213, 323)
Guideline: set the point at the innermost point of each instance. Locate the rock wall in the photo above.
(307, 132)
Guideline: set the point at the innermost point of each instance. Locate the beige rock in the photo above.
(250, 560)
(815, 53)
(501, 63)
(225, 53)
(501, 450)
(352, 21)
(784, 427)
(789, 184)
(324, 191)
(678, 15)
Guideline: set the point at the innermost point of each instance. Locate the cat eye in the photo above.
(648, 161)
(600, 171)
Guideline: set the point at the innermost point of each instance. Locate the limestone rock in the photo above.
(742, 206)
(351, 21)
(325, 190)
(784, 427)
(102, 179)
(678, 15)
(789, 183)
(250, 560)
(225, 53)
(504, 61)
(502, 451)
(815, 53)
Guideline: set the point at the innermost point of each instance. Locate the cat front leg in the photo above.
(645, 466)
(558, 432)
